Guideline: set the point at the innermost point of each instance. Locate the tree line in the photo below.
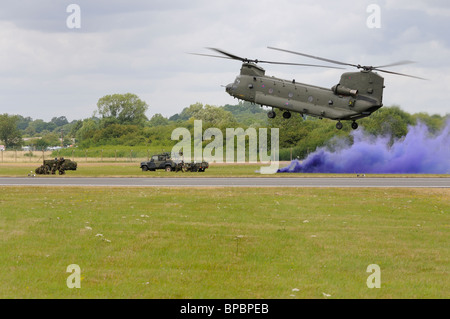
(120, 119)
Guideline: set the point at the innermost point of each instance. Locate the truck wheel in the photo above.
(168, 169)
(144, 168)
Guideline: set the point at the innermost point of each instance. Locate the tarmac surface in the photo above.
(402, 182)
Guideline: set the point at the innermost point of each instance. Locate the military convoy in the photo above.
(164, 161)
(160, 161)
(58, 164)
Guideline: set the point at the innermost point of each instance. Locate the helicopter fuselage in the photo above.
(357, 95)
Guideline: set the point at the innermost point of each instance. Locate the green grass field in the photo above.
(223, 242)
(133, 170)
(126, 169)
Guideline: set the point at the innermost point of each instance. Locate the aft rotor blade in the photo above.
(366, 68)
(313, 57)
(396, 73)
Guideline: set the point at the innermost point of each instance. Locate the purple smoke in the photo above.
(419, 152)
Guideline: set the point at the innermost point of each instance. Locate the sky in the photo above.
(49, 68)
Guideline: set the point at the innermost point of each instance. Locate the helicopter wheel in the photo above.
(271, 114)
(339, 125)
(354, 125)
(287, 115)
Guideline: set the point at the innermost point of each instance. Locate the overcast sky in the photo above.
(140, 46)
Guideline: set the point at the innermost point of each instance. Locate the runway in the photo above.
(425, 182)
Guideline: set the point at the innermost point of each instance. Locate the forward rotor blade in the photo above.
(235, 57)
(396, 73)
(213, 56)
(231, 56)
(300, 64)
(313, 57)
(394, 64)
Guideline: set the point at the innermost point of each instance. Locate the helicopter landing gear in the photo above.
(339, 125)
(271, 114)
(287, 115)
(354, 125)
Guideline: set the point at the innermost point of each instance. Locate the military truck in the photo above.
(165, 161)
(58, 164)
(194, 167)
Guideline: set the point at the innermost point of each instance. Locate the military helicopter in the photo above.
(357, 95)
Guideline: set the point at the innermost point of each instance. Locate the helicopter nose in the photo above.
(228, 88)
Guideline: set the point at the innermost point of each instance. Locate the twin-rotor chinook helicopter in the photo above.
(357, 95)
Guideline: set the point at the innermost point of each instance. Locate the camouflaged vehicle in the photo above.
(164, 161)
(58, 164)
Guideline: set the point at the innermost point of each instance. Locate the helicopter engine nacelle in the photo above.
(342, 90)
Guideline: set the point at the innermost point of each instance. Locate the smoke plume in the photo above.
(419, 152)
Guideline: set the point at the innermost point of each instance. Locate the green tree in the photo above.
(434, 122)
(59, 121)
(23, 122)
(122, 109)
(9, 133)
(158, 120)
(248, 114)
(187, 112)
(210, 115)
(75, 128)
(87, 130)
(388, 121)
(49, 139)
(215, 116)
(36, 126)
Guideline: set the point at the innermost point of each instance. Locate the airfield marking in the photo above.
(412, 182)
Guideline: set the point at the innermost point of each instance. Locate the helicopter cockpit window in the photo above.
(236, 82)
